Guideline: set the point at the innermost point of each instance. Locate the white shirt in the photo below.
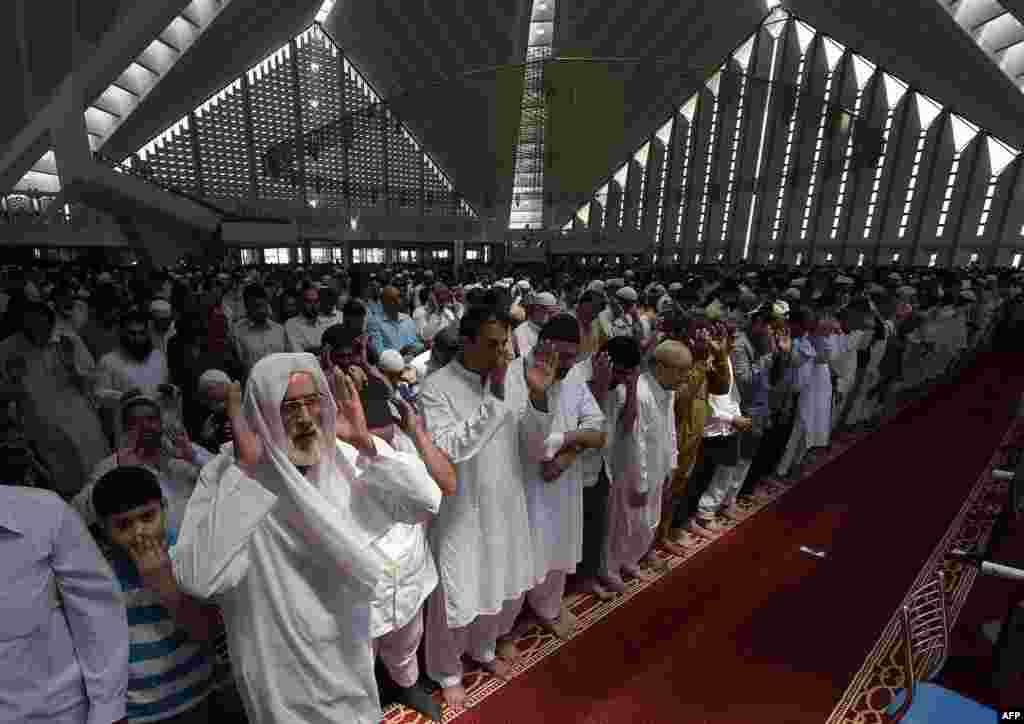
(481, 538)
(399, 596)
(526, 335)
(298, 624)
(429, 323)
(303, 335)
(117, 373)
(177, 479)
(253, 343)
(54, 661)
(556, 507)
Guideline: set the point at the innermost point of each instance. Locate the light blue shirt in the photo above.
(396, 334)
(60, 612)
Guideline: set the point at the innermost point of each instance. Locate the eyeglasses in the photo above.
(291, 409)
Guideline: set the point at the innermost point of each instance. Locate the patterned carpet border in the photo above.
(873, 687)
(538, 644)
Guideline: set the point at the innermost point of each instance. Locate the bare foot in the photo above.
(507, 650)
(635, 572)
(673, 548)
(614, 584)
(595, 587)
(455, 696)
(560, 627)
(499, 667)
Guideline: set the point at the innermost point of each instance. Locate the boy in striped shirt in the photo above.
(170, 659)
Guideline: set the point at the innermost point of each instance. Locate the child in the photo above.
(170, 664)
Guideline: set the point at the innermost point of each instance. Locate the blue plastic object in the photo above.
(935, 705)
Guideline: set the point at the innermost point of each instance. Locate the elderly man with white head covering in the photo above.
(287, 527)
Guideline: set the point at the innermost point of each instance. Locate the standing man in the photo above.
(305, 329)
(477, 409)
(394, 329)
(256, 335)
(60, 613)
(289, 534)
(554, 489)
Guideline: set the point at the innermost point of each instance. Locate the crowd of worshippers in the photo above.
(230, 493)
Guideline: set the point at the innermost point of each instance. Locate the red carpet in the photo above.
(751, 630)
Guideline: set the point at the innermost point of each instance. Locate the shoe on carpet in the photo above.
(419, 699)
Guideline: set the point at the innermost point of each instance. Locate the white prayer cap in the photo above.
(844, 281)
(596, 286)
(523, 284)
(991, 278)
(616, 282)
(104, 278)
(211, 378)
(224, 277)
(780, 309)
(799, 281)
(160, 308)
(391, 361)
(544, 299)
(751, 275)
(714, 310)
(969, 295)
(792, 293)
(675, 286)
(627, 294)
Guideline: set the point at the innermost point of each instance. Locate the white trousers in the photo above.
(479, 639)
(546, 597)
(397, 650)
(725, 485)
(796, 448)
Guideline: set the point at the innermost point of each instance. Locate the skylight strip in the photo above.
(818, 145)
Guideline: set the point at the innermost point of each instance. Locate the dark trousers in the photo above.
(700, 479)
(595, 526)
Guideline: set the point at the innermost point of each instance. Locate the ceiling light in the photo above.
(314, 104)
(314, 67)
(542, 6)
(540, 31)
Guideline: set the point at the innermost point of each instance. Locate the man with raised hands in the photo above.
(486, 415)
(286, 532)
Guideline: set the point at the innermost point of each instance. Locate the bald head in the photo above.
(672, 364)
(673, 354)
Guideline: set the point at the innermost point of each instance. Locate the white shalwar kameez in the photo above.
(641, 460)
(294, 561)
(556, 507)
(396, 616)
(481, 538)
(813, 423)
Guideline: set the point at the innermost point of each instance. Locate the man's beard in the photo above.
(305, 446)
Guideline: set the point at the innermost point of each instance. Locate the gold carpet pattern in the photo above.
(882, 674)
(538, 643)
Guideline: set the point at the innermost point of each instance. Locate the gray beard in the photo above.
(307, 452)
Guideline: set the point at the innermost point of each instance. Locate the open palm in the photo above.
(350, 425)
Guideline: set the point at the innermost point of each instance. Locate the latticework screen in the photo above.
(273, 122)
(223, 152)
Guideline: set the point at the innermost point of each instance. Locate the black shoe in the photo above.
(418, 699)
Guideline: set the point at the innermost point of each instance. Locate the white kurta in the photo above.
(117, 373)
(401, 594)
(481, 538)
(59, 418)
(814, 384)
(298, 624)
(556, 507)
(640, 461)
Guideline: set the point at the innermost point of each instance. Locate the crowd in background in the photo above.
(572, 431)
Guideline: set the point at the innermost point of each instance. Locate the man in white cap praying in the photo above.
(289, 534)
(539, 309)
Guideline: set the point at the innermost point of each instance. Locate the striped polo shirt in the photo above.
(168, 673)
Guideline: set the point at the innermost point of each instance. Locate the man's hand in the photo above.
(350, 425)
(551, 470)
(496, 378)
(154, 565)
(358, 376)
(542, 373)
(248, 446)
(411, 423)
(784, 341)
(183, 449)
(743, 424)
(602, 372)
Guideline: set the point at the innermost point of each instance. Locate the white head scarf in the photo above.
(331, 519)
